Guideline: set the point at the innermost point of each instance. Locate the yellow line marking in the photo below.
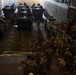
(15, 54)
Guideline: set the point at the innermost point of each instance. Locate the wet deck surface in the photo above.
(18, 40)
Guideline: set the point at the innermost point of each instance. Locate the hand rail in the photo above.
(65, 34)
(69, 38)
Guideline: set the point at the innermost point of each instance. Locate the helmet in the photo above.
(30, 74)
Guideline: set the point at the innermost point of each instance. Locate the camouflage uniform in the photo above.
(38, 55)
(43, 67)
(31, 67)
(45, 45)
(49, 54)
(68, 57)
